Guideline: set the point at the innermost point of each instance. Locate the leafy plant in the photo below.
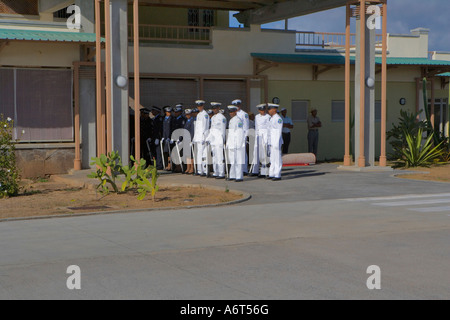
(419, 153)
(409, 124)
(145, 185)
(9, 173)
(109, 167)
(134, 172)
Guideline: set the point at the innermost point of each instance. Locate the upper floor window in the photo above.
(200, 18)
(62, 14)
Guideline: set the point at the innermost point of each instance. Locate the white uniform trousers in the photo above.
(237, 159)
(200, 157)
(276, 162)
(218, 164)
(260, 160)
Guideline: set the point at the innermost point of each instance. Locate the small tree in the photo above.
(9, 174)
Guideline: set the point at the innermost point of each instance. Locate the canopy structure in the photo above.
(256, 11)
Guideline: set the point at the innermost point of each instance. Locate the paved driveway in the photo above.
(311, 236)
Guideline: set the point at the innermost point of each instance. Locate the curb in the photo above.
(245, 197)
(418, 180)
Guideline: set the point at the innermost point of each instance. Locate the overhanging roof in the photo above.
(47, 36)
(256, 11)
(340, 60)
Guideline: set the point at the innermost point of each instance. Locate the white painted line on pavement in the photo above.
(398, 197)
(432, 209)
(411, 203)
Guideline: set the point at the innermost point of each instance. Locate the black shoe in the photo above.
(268, 178)
(245, 173)
(230, 179)
(252, 174)
(203, 175)
(220, 177)
(276, 179)
(239, 180)
(261, 176)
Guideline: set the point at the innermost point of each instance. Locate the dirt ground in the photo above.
(439, 173)
(43, 197)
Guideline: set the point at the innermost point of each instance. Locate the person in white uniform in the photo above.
(275, 142)
(216, 139)
(246, 121)
(260, 161)
(235, 145)
(201, 129)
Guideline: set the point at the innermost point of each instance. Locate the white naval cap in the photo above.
(272, 106)
(261, 106)
(200, 102)
(236, 102)
(188, 111)
(284, 109)
(232, 108)
(210, 111)
(215, 104)
(168, 109)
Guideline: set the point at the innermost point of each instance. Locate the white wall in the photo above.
(232, 47)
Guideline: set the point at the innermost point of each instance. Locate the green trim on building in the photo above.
(327, 59)
(49, 36)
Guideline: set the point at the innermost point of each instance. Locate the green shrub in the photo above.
(9, 174)
(138, 175)
(146, 185)
(109, 167)
(419, 153)
(408, 124)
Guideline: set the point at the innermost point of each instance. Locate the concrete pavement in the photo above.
(310, 236)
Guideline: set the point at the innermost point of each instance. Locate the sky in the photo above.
(403, 16)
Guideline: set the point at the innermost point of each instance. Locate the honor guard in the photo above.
(260, 160)
(189, 127)
(275, 142)
(145, 134)
(210, 114)
(178, 122)
(167, 137)
(216, 139)
(236, 145)
(157, 136)
(246, 121)
(200, 132)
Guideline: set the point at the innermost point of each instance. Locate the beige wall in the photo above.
(320, 95)
(229, 53)
(412, 46)
(37, 54)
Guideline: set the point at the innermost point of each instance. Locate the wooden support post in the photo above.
(108, 75)
(347, 156)
(383, 158)
(362, 98)
(76, 92)
(137, 77)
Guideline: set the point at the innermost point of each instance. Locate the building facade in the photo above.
(47, 76)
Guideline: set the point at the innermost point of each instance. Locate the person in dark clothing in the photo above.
(145, 134)
(178, 122)
(167, 136)
(157, 129)
(189, 126)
